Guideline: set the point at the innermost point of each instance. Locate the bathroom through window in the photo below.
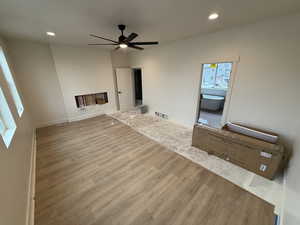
(215, 82)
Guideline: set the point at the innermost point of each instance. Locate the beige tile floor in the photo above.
(212, 119)
(178, 139)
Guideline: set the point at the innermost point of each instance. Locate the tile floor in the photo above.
(178, 139)
(212, 119)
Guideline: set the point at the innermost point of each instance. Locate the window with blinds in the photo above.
(11, 83)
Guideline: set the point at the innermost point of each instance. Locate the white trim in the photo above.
(234, 61)
(71, 119)
(31, 184)
(8, 120)
(229, 92)
(2, 126)
(10, 81)
(88, 115)
(51, 123)
(281, 216)
(116, 89)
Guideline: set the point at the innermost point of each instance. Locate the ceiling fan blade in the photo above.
(102, 44)
(136, 47)
(145, 43)
(93, 35)
(131, 37)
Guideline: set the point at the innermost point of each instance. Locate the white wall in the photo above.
(34, 67)
(84, 70)
(50, 77)
(15, 163)
(120, 58)
(266, 89)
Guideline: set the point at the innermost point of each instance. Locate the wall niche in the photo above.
(91, 99)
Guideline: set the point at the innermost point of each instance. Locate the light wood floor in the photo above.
(100, 171)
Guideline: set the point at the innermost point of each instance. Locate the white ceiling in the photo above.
(161, 20)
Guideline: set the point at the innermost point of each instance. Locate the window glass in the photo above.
(2, 126)
(216, 76)
(10, 81)
(7, 123)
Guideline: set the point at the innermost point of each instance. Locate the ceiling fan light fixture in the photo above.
(123, 45)
(213, 16)
(49, 33)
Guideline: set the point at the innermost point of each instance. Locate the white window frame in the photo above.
(2, 126)
(11, 83)
(7, 120)
(235, 61)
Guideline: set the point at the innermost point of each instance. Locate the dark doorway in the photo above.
(138, 86)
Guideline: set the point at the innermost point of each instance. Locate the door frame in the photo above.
(234, 61)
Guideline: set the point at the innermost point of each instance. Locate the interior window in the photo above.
(213, 93)
(11, 83)
(7, 123)
(216, 76)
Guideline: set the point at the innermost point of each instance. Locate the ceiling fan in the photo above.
(124, 41)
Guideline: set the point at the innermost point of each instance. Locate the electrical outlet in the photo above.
(165, 116)
(162, 115)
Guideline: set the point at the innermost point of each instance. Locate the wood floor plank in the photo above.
(101, 172)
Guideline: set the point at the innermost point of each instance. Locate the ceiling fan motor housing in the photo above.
(122, 39)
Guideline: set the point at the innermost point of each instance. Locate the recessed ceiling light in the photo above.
(123, 45)
(213, 16)
(50, 33)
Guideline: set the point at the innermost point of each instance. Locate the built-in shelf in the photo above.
(91, 99)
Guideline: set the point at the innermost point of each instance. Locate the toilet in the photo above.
(212, 102)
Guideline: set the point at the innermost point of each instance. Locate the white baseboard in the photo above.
(31, 184)
(281, 216)
(88, 115)
(50, 123)
(85, 116)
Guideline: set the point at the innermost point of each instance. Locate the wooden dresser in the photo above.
(258, 156)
